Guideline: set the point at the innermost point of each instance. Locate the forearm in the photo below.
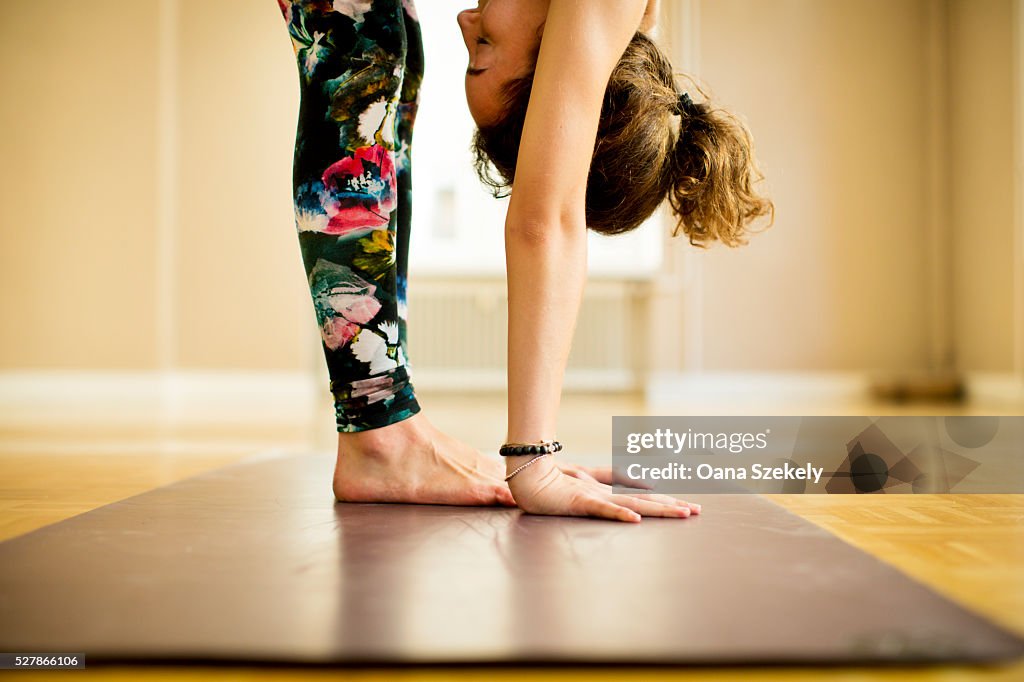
(546, 275)
(545, 232)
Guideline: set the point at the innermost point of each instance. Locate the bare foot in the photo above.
(413, 462)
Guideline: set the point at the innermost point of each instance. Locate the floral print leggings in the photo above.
(360, 65)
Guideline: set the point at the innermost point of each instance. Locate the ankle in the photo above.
(385, 442)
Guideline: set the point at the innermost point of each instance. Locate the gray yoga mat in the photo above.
(253, 563)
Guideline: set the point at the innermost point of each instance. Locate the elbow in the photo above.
(544, 229)
(531, 231)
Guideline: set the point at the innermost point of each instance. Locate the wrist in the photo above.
(530, 477)
(513, 462)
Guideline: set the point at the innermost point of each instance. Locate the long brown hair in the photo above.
(705, 166)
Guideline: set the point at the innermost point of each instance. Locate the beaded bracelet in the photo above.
(549, 447)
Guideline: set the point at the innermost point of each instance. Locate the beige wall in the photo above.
(834, 94)
(78, 188)
(837, 95)
(981, 152)
(84, 192)
(89, 179)
(96, 163)
(242, 300)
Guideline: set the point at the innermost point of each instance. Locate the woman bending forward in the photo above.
(579, 111)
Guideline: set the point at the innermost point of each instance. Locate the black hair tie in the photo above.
(686, 106)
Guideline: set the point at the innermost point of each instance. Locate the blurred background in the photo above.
(151, 283)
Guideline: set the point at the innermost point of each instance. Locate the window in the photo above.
(457, 225)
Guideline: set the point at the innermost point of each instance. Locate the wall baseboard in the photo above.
(758, 390)
(296, 398)
(179, 397)
(222, 397)
(812, 391)
(592, 380)
(995, 388)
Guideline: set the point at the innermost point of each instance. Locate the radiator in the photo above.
(457, 335)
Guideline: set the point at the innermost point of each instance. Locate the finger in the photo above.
(666, 499)
(611, 476)
(649, 508)
(600, 474)
(606, 475)
(581, 474)
(694, 507)
(602, 508)
(576, 471)
(620, 478)
(600, 488)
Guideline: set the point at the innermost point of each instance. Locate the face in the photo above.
(502, 36)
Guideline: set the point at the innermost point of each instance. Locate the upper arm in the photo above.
(582, 42)
(650, 17)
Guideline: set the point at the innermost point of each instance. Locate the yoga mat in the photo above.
(254, 563)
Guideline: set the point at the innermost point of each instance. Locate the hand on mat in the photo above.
(543, 488)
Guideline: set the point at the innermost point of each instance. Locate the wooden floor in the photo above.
(969, 547)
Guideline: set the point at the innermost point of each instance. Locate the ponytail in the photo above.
(712, 176)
